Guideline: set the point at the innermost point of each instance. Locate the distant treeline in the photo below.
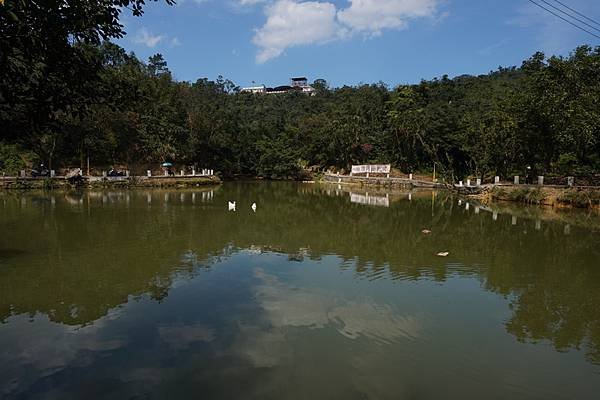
(66, 98)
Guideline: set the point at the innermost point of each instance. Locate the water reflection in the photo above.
(149, 276)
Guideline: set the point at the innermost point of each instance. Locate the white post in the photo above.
(127, 173)
(193, 172)
(104, 174)
(367, 174)
(540, 180)
(22, 173)
(570, 180)
(149, 173)
(181, 172)
(478, 181)
(52, 173)
(516, 179)
(410, 176)
(388, 176)
(460, 183)
(468, 182)
(166, 173)
(497, 180)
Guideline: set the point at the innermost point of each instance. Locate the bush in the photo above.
(580, 198)
(11, 161)
(522, 195)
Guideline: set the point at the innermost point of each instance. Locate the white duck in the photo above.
(254, 207)
(232, 206)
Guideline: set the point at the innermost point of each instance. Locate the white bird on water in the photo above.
(254, 207)
(232, 206)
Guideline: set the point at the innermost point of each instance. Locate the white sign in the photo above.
(371, 169)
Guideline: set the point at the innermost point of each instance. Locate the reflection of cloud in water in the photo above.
(312, 308)
(264, 348)
(182, 336)
(374, 321)
(48, 348)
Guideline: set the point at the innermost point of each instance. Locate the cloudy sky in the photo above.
(348, 41)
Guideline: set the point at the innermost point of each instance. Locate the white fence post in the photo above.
(516, 179)
(540, 180)
(149, 173)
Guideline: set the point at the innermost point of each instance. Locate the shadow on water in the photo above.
(82, 259)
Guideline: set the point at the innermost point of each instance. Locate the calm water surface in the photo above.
(319, 294)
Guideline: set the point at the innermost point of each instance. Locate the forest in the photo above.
(68, 93)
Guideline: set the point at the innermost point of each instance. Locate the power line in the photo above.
(564, 19)
(577, 12)
(571, 16)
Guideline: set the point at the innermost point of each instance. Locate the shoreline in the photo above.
(547, 196)
(29, 183)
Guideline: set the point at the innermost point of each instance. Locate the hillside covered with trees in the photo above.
(67, 93)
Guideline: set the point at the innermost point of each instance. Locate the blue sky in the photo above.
(348, 41)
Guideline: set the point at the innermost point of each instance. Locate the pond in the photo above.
(321, 293)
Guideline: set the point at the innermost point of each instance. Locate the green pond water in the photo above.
(322, 293)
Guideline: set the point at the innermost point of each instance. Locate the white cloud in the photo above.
(250, 2)
(372, 16)
(292, 22)
(145, 38)
(175, 42)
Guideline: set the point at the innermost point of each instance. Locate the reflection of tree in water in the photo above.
(121, 251)
(561, 306)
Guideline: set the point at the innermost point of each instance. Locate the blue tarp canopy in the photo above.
(167, 164)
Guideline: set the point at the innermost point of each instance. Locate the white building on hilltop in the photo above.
(299, 84)
(255, 89)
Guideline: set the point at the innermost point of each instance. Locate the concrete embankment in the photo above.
(112, 182)
(391, 182)
(553, 196)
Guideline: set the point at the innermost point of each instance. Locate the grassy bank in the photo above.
(577, 197)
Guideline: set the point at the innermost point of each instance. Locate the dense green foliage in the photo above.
(79, 96)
